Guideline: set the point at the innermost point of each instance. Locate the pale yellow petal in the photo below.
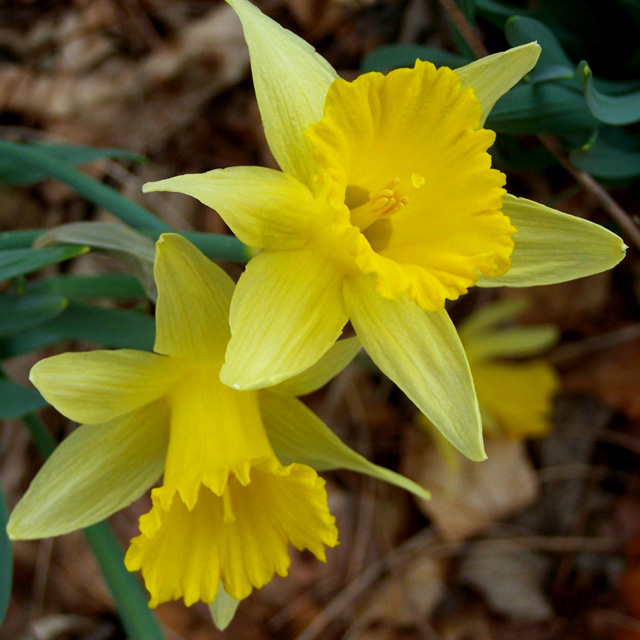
(492, 76)
(291, 82)
(513, 342)
(551, 246)
(264, 208)
(489, 316)
(194, 294)
(223, 608)
(96, 471)
(329, 366)
(298, 435)
(286, 312)
(421, 352)
(518, 397)
(98, 386)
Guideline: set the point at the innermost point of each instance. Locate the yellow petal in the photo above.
(329, 366)
(492, 76)
(421, 352)
(286, 312)
(96, 471)
(417, 178)
(298, 435)
(551, 246)
(240, 538)
(264, 208)
(215, 431)
(194, 296)
(98, 386)
(517, 396)
(291, 82)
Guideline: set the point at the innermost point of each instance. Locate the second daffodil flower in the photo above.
(386, 206)
(238, 484)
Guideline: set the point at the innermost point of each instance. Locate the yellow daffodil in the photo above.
(238, 483)
(515, 397)
(386, 206)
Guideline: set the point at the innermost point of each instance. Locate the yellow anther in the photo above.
(385, 202)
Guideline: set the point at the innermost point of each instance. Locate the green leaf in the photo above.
(18, 239)
(104, 326)
(14, 262)
(529, 109)
(520, 30)
(139, 622)
(74, 154)
(29, 158)
(22, 312)
(6, 559)
(214, 245)
(25, 342)
(223, 608)
(17, 400)
(606, 161)
(395, 56)
(499, 9)
(134, 249)
(115, 286)
(550, 73)
(620, 109)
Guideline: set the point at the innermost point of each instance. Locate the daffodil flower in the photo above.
(386, 206)
(238, 484)
(515, 396)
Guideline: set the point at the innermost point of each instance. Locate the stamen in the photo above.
(384, 203)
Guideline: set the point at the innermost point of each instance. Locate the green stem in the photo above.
(138, 620)
(94, 191)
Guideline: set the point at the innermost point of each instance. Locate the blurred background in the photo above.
(542, 540)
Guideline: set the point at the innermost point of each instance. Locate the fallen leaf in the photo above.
(473, 495)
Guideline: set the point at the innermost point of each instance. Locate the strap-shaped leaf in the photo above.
(395, 56)
(604, 160)
(17, 400)
(75, 154)
(103, 326)
(22, 312)
(28, 159)
(546, 107)
(6, 559)
(520, 30)
(15, 262)
(619, 109)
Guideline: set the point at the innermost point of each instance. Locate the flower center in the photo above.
(382, 203)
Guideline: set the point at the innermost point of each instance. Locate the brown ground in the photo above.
(556, 553)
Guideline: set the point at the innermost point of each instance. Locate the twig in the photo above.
(592, 186)
(572, 350)
(426, 542)
(550, 142)
(465, 28)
